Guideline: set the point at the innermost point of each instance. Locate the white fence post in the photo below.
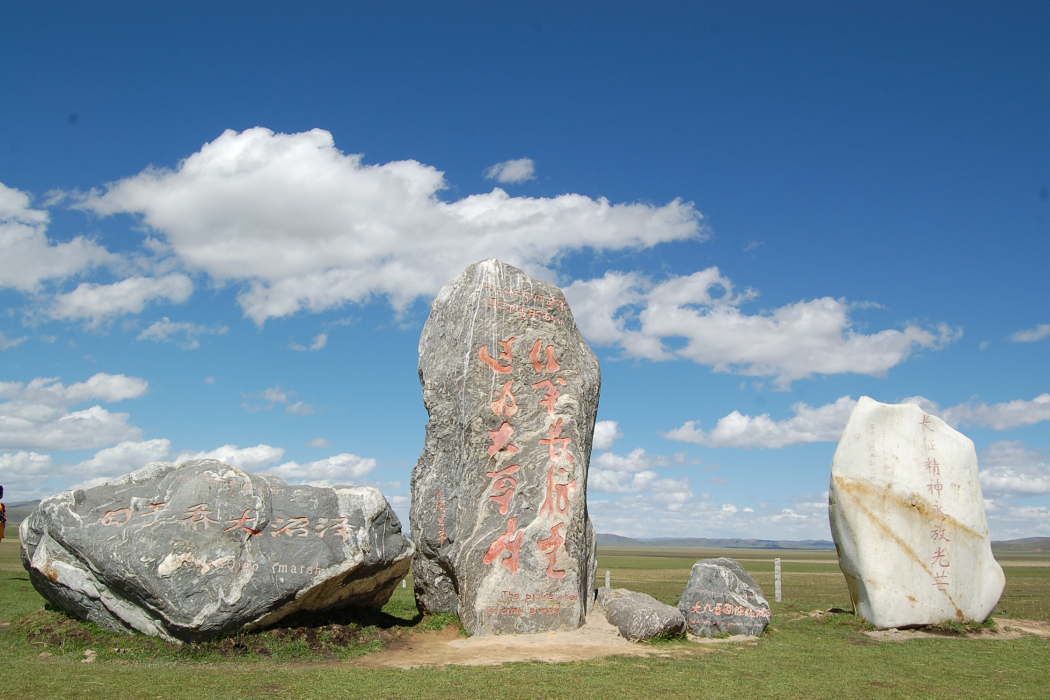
(776, 574)
(608, 579)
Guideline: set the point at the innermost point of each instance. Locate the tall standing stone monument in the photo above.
(499, 509)
(907, 515)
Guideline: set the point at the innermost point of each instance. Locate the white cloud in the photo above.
(1008, 520)
(166, 329)
(124, 458)
(611, 481)
(1011, 470)
(606, 433)
(49, 391)
(826, 423)
(512, 171)
(1032, 334)
(319, 442)
(999, 416)
(276, 395)
(300, 408)
(822, 424)
(248, 458)
(209, 380)
(338, 469)
(28, 258)
(306, 226)
(7, 343)
(99, 302)
(37, 415)
(681, 514)
(320, 341)
(792, 342)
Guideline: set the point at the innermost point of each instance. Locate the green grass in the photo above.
(798, 657)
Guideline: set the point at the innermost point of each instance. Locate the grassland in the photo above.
(799, 656)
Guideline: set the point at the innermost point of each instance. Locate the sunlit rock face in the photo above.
(638, 616)
(190, 551)
(907, 515)
(499, 510)
(722, 598)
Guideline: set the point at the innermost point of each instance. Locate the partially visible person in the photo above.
(3, 514)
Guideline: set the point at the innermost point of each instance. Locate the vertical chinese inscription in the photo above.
(939, 560)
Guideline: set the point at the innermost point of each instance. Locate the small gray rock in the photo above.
(638, 616)
(722, 598)
(499, 513)
(191, 551)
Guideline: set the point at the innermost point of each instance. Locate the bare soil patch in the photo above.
(597, 638)
(1005, 629)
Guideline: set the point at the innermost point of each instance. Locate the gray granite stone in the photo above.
(191, 551)
(722, 598)
(638, 616)
(499, 511)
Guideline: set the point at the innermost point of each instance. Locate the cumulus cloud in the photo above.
(338, 469)
(1009, 520)
(304, 225)
(99, 302)
(28, 258)
(1031, 335)
(678, 513)
(7, 343)
(167, 330)
(512, 171)
(320, 341)
(1012, 470)
(37, 415)
(792, 342)
(248, 458)
(275, 395)
(826, 423)
(606, 433)
(1000, 416)
(124, 458)
(822, 424)
(319, 442)
(633, 472)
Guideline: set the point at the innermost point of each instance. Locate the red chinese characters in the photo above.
(558, 445)
(509, 542)
(241, 523)
(116, 517)
(506, 403)
(501, 440)
(506, 353)
(197, 515)
(295, 527)
(558, 495)
(550, 546)
(503, 486)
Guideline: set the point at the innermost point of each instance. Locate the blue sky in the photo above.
(221, 229)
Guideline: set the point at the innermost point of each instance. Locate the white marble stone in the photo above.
(907, 515)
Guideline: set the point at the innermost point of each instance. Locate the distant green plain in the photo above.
(799, 656)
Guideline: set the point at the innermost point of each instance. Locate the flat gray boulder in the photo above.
(191, 551)
(638, 616)
(499, 513)
(721, 598)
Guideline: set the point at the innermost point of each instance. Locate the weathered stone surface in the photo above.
(722, 598)
(190, 551)
(638, 616)
(907, 515)
(499, 513)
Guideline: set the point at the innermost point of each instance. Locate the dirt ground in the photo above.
(595, 639)
(598, 638)
(1004, 629)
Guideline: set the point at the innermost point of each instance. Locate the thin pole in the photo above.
(776, 572)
